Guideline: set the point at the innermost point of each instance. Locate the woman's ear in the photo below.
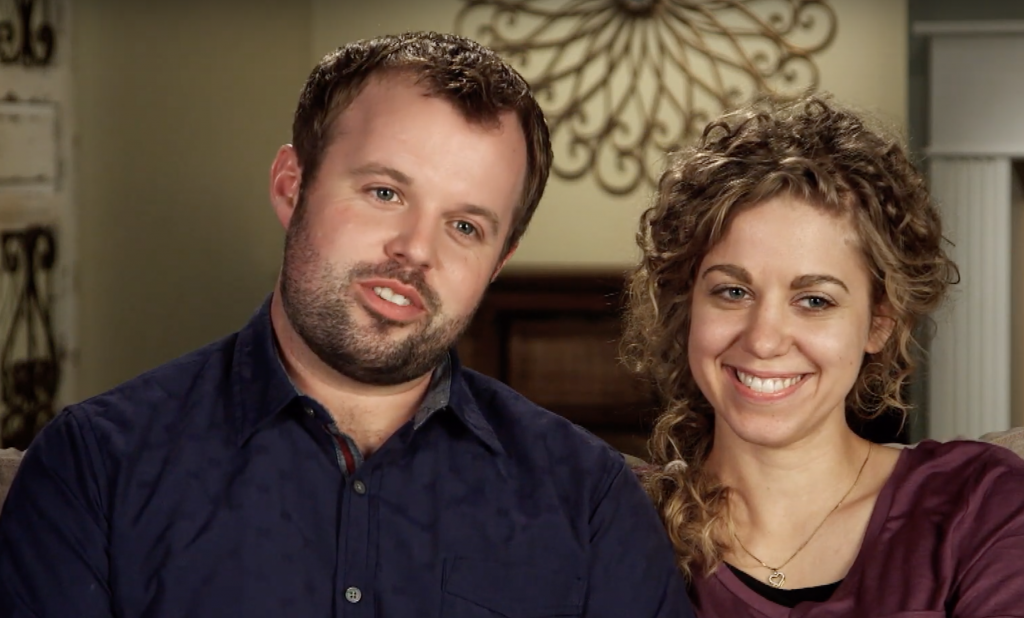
(882, 325)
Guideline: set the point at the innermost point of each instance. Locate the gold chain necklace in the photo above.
(777, 577)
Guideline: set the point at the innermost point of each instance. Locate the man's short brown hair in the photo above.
(475, 79)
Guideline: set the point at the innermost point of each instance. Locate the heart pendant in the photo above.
(777, 578)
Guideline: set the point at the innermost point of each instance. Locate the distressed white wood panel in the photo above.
(976, 83)
(37, 184)
(969, 368)
(29, 146)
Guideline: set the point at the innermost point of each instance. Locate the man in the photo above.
(333, 458)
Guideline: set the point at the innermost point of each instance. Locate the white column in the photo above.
(969, 369)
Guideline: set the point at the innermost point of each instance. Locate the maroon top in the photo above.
(946, 538)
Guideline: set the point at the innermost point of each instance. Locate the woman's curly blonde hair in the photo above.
(820, 153)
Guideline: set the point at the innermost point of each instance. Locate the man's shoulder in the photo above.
(197, 376)
(506, 407)
(531, 428)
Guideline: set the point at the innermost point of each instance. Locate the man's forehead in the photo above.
(384, 87)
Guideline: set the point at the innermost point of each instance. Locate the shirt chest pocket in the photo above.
(483, 589)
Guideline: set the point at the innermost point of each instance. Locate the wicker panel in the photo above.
(572, 366)
(554, 338)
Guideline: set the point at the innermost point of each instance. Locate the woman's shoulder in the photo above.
(972, 455)
(957, 499)
(961, 458)
(960, 472)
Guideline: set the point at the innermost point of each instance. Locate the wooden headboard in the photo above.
(554, 337)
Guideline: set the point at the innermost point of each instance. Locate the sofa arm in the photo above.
(9, 460)
(1012, 439)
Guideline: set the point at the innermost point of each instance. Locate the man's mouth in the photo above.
(391, 296)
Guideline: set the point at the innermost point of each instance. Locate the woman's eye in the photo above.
(465, 228)
(731, 293)
(816, 302)
(384, 194)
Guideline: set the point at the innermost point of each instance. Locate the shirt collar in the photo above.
(438, 393)
(463, 403)
(261, 388)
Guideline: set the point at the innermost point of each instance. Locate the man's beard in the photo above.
(319, 303)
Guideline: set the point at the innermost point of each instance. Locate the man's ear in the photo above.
(285, 182)
(882, 325)
(503, 261)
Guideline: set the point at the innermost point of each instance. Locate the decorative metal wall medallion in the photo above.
(29, 364)
(26, 37)
(622, 82)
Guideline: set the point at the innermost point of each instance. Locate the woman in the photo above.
(786, 262)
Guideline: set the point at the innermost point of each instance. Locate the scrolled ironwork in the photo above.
(22, 40)
(29, 362)
(622, 82)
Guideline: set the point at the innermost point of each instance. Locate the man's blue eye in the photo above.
(384, 194)
(465, 227)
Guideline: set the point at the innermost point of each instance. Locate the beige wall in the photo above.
(1017, 298)
(180, 108)
(579, 226)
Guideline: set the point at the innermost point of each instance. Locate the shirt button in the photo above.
(353, 594)
(309, 411)
(359, 487)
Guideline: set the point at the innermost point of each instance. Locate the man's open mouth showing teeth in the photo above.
(391, 296)
(766, 385)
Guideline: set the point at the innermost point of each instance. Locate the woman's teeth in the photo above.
(766, 385)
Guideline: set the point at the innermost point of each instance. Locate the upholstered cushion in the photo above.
(1012, 439)
(9, 460)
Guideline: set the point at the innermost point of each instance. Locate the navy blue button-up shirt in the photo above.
(205, 488)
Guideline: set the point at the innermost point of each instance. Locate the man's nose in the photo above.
(414, 242)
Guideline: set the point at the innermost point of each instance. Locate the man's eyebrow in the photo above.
(736, 272)
(493, 221)
(806, 281)
(374, 169)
